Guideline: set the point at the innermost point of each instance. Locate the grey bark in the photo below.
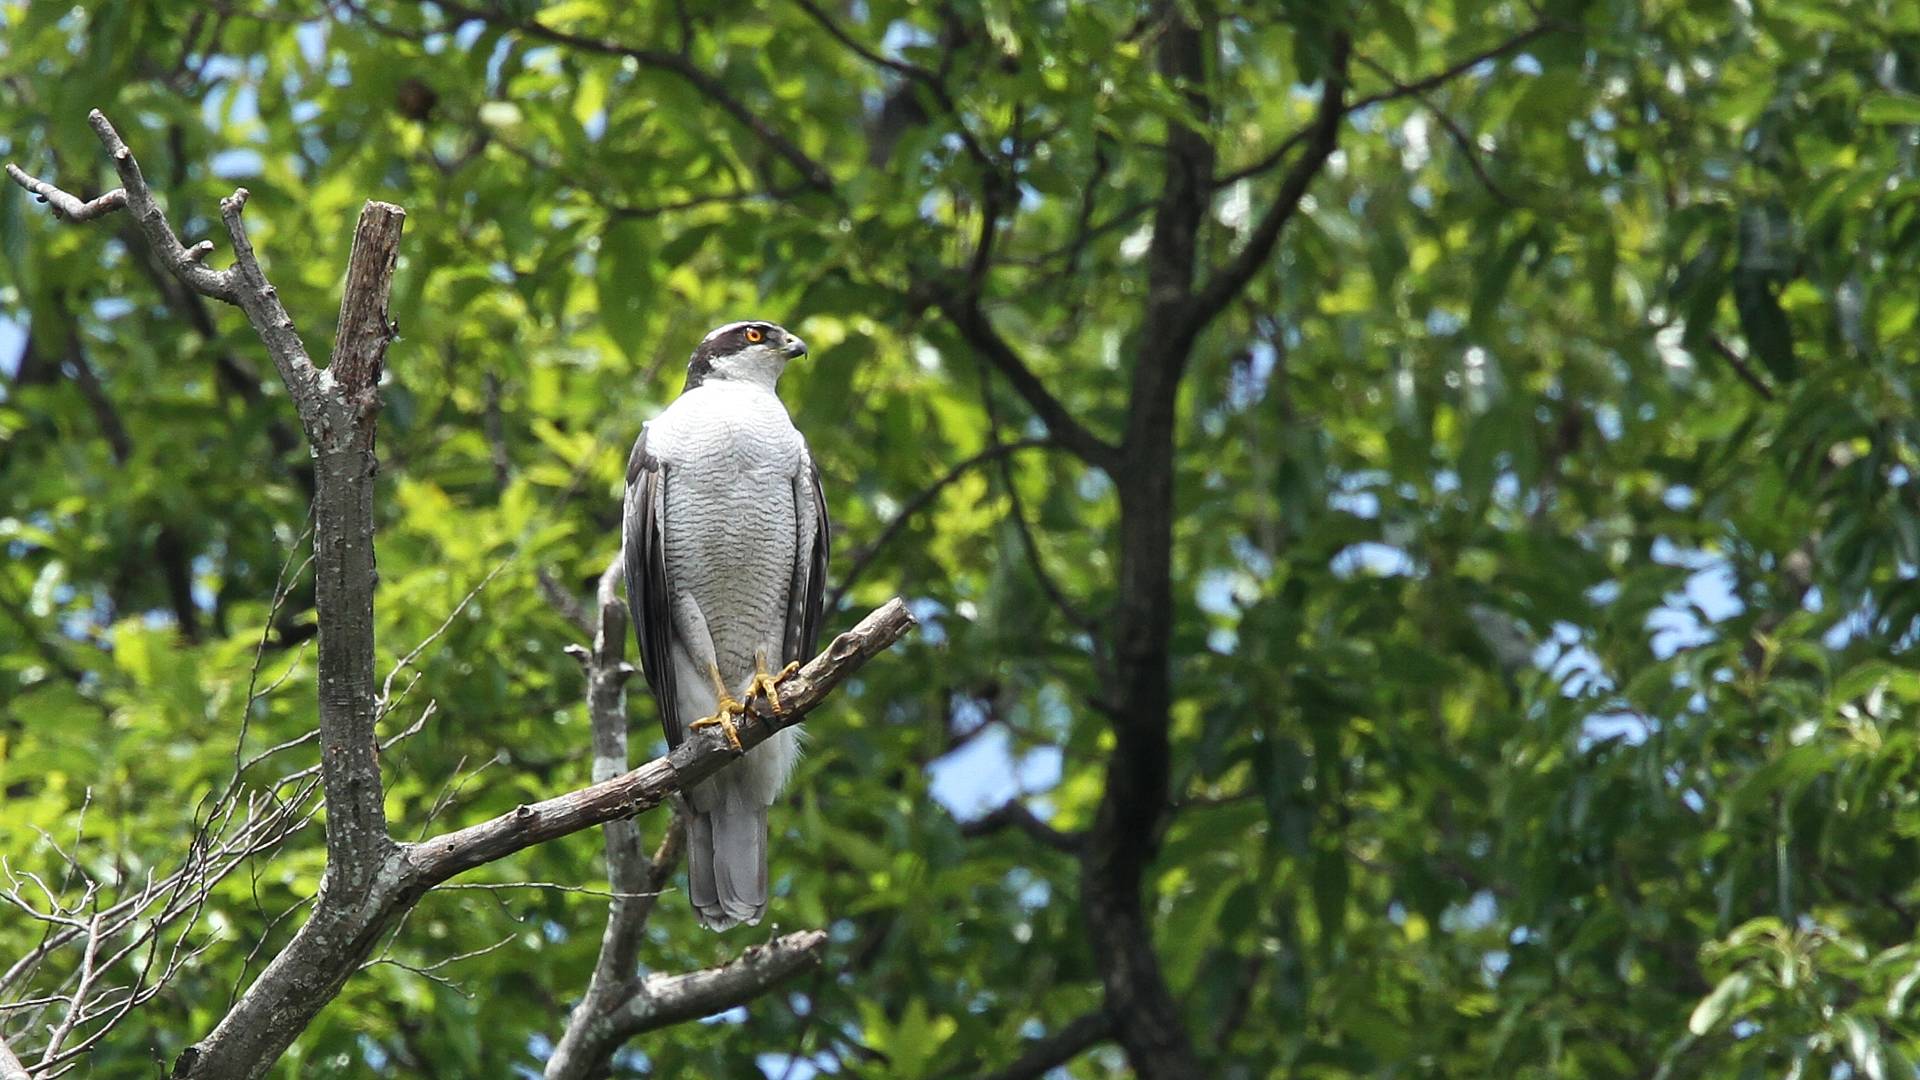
(616, 1004)
(10, 1067)
(370, 880)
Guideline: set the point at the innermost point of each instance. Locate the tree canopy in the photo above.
(1411, 507)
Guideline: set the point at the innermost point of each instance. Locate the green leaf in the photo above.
(1715, 1006)
(1890, 107)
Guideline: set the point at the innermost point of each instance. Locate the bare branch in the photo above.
(646, 787)
(243, 284)
(10, 1067)
(347, 923)
(588, 1041)
(65, 206)
(116, 932)
(628, 870)
(664, 1000)
(185, 264)
(360, 349)
(78, 1002)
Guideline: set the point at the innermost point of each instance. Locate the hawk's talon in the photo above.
(768, 685)
(725, 709)
(723, 719)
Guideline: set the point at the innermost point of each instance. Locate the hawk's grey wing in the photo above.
(808, 595)
(644, 543)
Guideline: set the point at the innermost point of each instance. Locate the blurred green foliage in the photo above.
(1547, 532)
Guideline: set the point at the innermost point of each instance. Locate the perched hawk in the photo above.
(725, 539)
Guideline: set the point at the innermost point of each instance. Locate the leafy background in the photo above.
(1545, 547)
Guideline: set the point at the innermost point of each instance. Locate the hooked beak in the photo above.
(795, 347)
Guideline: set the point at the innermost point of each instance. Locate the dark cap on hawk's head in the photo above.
(752, 351)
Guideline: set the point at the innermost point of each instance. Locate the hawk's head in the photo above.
(751, 351)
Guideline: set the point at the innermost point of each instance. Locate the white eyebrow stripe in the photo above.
(724, 329)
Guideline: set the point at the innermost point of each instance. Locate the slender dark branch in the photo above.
(864, 558)
(1014, 814)
(1235, 1013)
(1050, 1052)
(815, 173)
(1017, 512)
(1073, 436)
(1322, 137)
(636, 211)
(1458, 134)
(1460, 67)
(934, 81)
(170, 550)
(899, 67)
(1421, 85)
(1740, 366)
(112, 428)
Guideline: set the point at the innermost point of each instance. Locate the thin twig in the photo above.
(863, 559)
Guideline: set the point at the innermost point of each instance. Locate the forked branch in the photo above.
(370, 879)
(616, 1006)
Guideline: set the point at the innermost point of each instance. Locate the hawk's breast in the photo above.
(730, 519)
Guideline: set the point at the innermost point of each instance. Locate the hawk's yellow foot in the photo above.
(766, 684)
(725, 709)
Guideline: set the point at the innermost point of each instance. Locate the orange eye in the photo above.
(754, 336)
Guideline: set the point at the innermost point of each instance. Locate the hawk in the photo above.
(725, 541)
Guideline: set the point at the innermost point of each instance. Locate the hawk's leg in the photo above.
(766, 684)
(725, 709)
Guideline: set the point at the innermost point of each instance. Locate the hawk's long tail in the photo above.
(727, 860)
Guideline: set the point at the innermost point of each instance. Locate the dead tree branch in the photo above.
(646, 787)
(10, 1067)
(662, 1000)
(617, 1006)
(371, 880)
(589, 1040)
